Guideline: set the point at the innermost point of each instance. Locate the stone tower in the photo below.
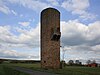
(50, 38)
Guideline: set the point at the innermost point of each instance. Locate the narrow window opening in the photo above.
(44, 61)
(55, 34)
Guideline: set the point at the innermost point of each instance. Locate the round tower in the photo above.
(50, 38)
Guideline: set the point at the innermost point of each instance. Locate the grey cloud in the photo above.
(83, 40)
(13, 54)
(25, 39)
(73, 40)
(76, 33)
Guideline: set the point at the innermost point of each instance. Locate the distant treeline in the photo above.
(18, 61)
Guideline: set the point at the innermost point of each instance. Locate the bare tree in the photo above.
(77, 62)
(94, 61)
(88, 62)
(70, 62)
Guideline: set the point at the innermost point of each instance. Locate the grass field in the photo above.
(5, 70)
(68, 70)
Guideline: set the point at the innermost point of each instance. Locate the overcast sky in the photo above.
(20, 28)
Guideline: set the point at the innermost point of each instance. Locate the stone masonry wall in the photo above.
(50, 49)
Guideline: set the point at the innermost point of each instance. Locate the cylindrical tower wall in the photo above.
(50, 49)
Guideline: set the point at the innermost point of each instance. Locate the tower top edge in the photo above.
(50, 8)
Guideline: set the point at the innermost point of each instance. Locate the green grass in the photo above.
(68, 70)
(31, 66)
(5, 70)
